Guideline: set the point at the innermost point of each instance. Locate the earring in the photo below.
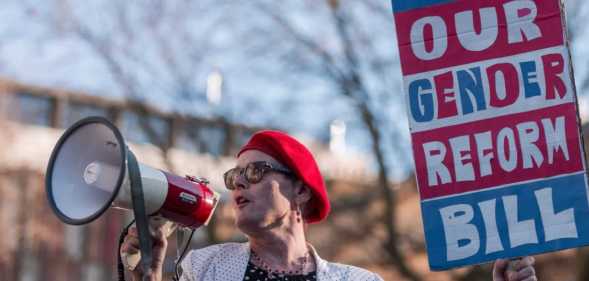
(298, 214)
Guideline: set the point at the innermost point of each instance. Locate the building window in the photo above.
(202, 138)
(30, 109)
(187, 139)
(242, 135)
(145, 129)
(76, 111)
(213, 139)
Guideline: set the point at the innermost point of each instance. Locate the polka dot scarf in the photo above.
(255, 273)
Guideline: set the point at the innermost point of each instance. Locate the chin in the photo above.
(246, 227)
(247, 223)
(242, 220)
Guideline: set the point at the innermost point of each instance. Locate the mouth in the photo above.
(241, 201)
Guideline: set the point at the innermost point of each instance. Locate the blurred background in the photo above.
(188, 82)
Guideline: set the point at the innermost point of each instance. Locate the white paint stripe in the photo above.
(521, 105)
(503, 186)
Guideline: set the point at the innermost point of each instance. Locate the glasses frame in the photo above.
(264, 166)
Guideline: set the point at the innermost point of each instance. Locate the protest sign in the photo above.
(495, 131)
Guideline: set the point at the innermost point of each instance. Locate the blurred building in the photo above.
(36, 246)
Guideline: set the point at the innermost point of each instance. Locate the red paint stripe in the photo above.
(499, 176)
(548, 20)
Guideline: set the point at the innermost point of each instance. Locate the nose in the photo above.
(240, 182)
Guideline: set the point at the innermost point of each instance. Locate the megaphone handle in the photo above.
(145, 242)
(130, 261)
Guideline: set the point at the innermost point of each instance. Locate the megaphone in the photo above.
(91, 169)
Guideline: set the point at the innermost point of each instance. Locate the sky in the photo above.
(37, 46)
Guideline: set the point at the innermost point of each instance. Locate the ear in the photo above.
(302, 193)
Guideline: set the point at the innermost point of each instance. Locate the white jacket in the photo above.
(227, 262)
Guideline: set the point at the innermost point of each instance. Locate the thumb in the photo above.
(499, 269)
(160, 244)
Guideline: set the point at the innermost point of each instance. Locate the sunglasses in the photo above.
(253, 173)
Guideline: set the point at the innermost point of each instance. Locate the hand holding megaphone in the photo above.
(130, 249)
(160, 229)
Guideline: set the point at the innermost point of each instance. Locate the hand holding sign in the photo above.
(515, 270)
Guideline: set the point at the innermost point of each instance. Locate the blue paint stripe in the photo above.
(406, 5)
(568, 192)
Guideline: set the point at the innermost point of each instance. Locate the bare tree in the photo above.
(146, 47)
(139, 49)
(576, 21)
(346, 56)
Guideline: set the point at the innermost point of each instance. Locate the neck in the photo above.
(282, 249)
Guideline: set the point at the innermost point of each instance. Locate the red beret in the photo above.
(294, 155)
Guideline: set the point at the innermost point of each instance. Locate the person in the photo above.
(276, 189)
